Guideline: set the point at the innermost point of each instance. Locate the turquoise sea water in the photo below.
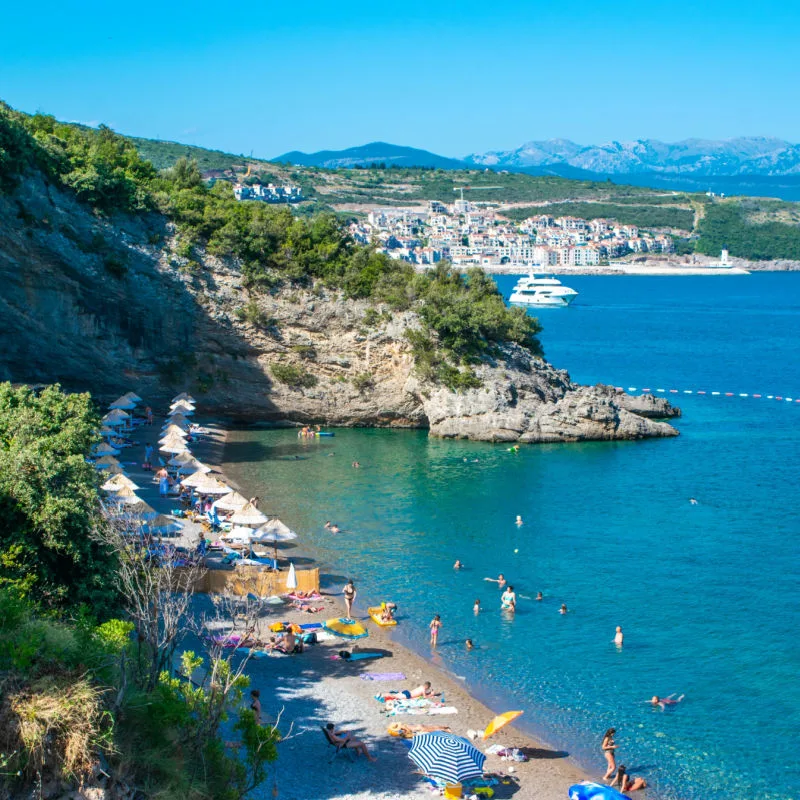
(707, 594)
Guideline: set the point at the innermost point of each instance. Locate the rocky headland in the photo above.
(105, 305)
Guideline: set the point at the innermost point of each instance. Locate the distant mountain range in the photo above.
(373, 153)
(749, 155)
(755, 165)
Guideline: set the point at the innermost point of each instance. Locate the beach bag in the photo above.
(310, 638)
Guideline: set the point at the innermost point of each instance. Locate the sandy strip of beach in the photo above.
(310, 689)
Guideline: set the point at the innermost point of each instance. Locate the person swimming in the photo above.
(477, 607)
(663, 702)
(469, 644)
(539, 596)
(458, 564)
(692, 501)
(519, 520)
(499, 580)
(619, 637)
(563, 609)
(508, 600)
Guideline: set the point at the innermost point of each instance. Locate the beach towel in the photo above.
(383, 676)
(311, 626)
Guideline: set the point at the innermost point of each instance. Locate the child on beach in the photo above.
(436, 624)
(627, 783)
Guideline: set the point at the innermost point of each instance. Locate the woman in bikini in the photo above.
(609, 746)
(349, 597)
(436, 624)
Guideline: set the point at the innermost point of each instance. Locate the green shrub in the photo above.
(293, 376)
(363, 381)
(306, 351)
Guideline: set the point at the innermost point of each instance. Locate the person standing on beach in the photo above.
(149, 415)
(435, 626)
(163, 481)
(349, 596)
(609, 747)
(148, 454)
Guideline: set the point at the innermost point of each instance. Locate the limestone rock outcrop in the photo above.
(106, 306)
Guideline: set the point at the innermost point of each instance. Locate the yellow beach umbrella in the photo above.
(348, 628)
(500, 721)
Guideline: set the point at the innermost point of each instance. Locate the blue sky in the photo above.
(453, 77)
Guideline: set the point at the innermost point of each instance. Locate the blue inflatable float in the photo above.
(594, 791)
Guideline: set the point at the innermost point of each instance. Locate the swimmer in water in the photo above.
(328, 524)
(519, 520)
(477, 607)
(563, 609)
(469, 644)
(539, 596)
(458, 564)
(663, 702)
(692, 501)
(619, 637)
(334, 529)
(499, 580)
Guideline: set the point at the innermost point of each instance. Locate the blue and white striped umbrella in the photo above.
(446, 757)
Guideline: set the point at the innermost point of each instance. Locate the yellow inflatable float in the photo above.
(377, 614)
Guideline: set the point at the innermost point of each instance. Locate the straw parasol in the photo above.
(174, 430)
(181, 409)
(142, 509)
(162, 524)
(106, 461)
(232, 501)
(104, 449)
(211, 485)
(176, 419)
(248, 515)
(183, 403)
(173, 445)
(274, 532)
(117, 416)
(123, 402)
(240, 532)
(113, 469)
(126, 495)
(194, 479)
(133, 396)
(190, 466)
(117, 482)
(172, 438)
(183, 396)
(106, 431)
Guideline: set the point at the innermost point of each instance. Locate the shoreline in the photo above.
(547, 774)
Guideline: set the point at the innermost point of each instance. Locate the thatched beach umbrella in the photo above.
(194, 479)
(162, 524)
(172, 444)
(113, 469)
(174, 430)
(211, 485)
(233, 501)
(104, 449)
(117, 482)
(183, 396)
(125, 495)
(106, 461)
(181, 409)
(125, 403)
(141, 509)
(116, 417)
(248, 515)
(188, 466)
(133, 396)
(240, 533)
(177, 419)
(273, 532)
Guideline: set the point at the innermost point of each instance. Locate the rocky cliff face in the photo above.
(106, 307)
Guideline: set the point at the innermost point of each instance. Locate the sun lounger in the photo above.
(341, 747)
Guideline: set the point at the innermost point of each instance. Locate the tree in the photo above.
(49, 500)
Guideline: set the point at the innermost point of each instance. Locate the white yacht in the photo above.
(543, 291)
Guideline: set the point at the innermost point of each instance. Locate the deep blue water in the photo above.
(707, 594)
